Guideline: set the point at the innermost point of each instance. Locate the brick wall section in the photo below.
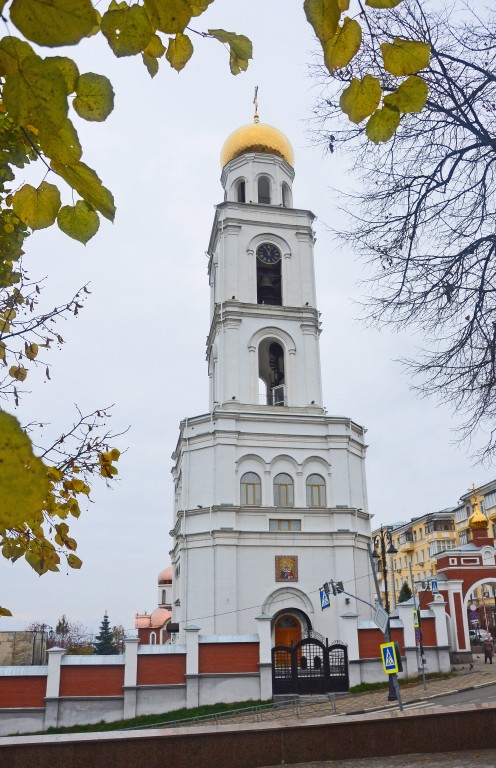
(168, 669)
(228, 657)
(104, 680)
(22, 691)
(429, 631)
(369, 641)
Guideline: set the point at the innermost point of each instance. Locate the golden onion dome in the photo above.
(478, 520)
(257, 137)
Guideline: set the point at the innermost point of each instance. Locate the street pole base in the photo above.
(392, 697)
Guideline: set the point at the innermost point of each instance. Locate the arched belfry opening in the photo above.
(271, 372)
(269, 281)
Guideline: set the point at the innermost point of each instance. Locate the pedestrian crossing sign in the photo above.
(389, 661)
(324, 599)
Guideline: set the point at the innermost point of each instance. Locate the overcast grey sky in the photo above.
(140, 341)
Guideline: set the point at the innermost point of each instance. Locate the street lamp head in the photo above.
(392, 549)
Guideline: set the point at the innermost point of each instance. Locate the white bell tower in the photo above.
(270, 497)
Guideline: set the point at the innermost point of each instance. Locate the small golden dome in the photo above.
(257, 137)
(478, 520)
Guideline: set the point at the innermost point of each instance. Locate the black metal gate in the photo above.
(310, 667)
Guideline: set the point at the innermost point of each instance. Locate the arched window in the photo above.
(271, 372)
(153, 638)
(269, 282)
(316, 491)
(241, 191)
(286, 195)
(264, 190)
(283, 490)
(251, 493)
(163, 597)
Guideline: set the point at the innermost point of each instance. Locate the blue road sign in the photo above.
(324, 599)
(434, 588)
(389, 661)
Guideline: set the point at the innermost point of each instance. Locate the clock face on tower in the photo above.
(268, 253)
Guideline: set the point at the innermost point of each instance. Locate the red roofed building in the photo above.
(152, 627)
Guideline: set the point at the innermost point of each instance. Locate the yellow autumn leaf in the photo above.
(53, 22)
(94, 97)
(36, 95)
(179, 52)
(199, 6)
(4, 611)
(383, 3)
(382, 125)
(18, 372)
(23, 476)
(12, 52)
(37, 208)
(340, 50)
(73, 561)
(323, 16)
(30, 350)
(68, 69)
(240, 49)
(55, 474)
(62, 146)
(150, 63)
(80, 222)
(85, 181)
(155, 47)
(361, 98)
(405, 57)
(410, 96)
(170, 16)
(128, 30)
(2, 350)
(115, 453)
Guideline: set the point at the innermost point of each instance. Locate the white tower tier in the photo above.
(270, 493)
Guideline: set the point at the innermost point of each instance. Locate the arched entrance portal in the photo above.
(287, 630)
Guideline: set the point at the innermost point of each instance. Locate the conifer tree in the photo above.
(405, 593)
(104, 642)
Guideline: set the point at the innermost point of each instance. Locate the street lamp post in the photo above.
(382, 540)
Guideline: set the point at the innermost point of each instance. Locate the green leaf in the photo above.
(128, 31)
(80, 222)
(361, 98)
(151, 64)
(240, 49)
(62, 146)
(54, 22)
(404, 57)
(345, 44)
(323, 15)
(37, 95)
(37, 208)
(410, 96)
(170, 16)
(383, 3)
(94, 97)
(179, 52)
(68, 69)
(86, 182)
(382, 125)
(12, 52)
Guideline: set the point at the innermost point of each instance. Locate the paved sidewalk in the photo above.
(465, 678)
